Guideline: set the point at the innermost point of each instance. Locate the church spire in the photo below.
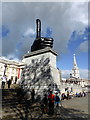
(75, 70)
(75, 63)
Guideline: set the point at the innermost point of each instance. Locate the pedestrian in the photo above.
(64, 96)
(51, 103)
(84, 94)
(45, 103)
(80, 94)
(9, 83)
(3, 81)
(32, 94)
(68, 95)
(76, 94)
(57, 99)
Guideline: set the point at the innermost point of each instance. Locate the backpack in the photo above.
(57, 99)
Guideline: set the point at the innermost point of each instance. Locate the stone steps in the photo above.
(19, 112)
(12, 106)
(15, 107)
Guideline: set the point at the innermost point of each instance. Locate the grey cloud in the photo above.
(83, 47)
(62, 18)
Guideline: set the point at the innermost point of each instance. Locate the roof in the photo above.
(11, 62)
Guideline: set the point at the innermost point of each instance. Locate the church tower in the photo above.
(75, 70)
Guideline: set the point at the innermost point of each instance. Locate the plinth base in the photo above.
(40, 72)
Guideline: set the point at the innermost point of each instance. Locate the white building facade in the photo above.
(12, 69)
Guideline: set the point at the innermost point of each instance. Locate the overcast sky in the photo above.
(66, 22)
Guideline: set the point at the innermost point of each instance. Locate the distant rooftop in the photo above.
(11, 62)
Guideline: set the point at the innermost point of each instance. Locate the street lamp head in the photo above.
(5, 65)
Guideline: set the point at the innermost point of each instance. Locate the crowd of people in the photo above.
(81, 94)
(71, 95)
(4, 81)
(49, 101)
(52, 100)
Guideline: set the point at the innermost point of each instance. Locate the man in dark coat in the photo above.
(9, 83)
(32, 94)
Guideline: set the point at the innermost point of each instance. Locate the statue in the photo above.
(41, 42)
(38, 28)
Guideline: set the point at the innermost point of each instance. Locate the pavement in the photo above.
(76, 108)
(78, 103)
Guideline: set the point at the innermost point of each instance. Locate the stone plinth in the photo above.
(41, 71)
(37, 55)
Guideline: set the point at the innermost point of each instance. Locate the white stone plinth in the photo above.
(41, 70)
(37, 55)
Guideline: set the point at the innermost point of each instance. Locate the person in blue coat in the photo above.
(57, 99)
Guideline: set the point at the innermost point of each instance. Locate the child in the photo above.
(57, 99)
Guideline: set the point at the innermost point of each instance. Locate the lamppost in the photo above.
(5, 66)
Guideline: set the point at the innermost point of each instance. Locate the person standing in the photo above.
(68, 94)
(57, 99)
(3, 81)
(9, 83)
(51, 103)
(45, 104)
(32, 94)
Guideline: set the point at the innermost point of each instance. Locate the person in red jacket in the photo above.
(51, 103)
